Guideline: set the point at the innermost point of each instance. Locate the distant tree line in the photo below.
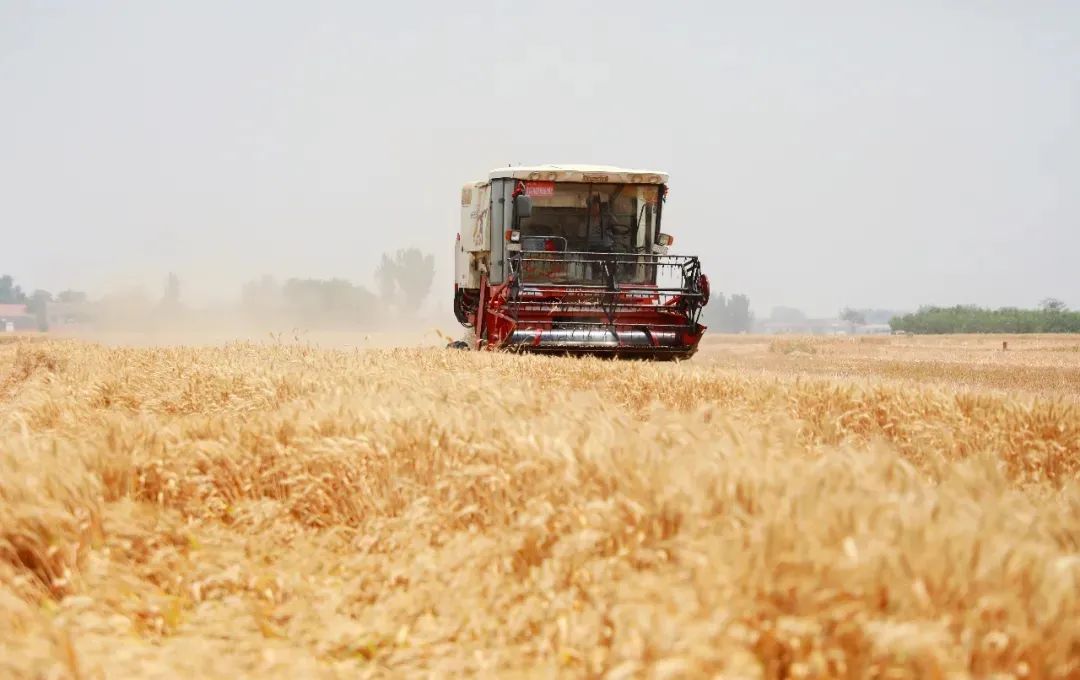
(309, 302)
(865, 316)
(728, 314)
(404, 279)
(1052, 316)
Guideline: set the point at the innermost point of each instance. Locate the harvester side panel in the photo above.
(476, 217)
(466, 267)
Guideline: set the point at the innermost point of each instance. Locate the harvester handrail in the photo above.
(627, 273)
(624, 288)
(564, 255)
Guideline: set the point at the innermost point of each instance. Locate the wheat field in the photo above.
(885, 507)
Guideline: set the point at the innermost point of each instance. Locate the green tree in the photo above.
(853, 316)
(729, 314)
(333, 301)
(1052, 305)
(405, 278)
(972, 319)
(741, 319)
(386, 278)
(38, 305)
(261, 298)
(10, 293)
(71, 296)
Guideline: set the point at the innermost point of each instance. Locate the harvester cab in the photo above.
(571, 260)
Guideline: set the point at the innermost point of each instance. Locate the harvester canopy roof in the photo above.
(602, 174)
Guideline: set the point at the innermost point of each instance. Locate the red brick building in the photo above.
(16, 318)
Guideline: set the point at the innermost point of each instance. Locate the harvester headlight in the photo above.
(513, 236)
(665, 240)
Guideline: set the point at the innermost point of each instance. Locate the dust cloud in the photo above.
(323, 313)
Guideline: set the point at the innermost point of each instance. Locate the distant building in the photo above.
(16, 318)
(873, 329)
(806, 327)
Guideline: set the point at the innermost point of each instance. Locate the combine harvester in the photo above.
(569, 259)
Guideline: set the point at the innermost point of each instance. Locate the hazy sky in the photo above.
(821, 154)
